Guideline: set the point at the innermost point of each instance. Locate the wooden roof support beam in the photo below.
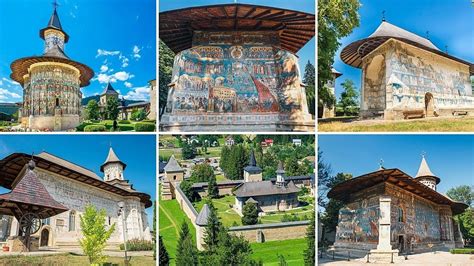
(251, 11)
(264, 13)
(273, 16)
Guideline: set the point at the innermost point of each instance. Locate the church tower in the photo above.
(54, 35)
(280, 180)
(113, 167)
(425, 176)
(252, 173)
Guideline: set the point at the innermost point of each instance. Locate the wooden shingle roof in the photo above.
(294, 27)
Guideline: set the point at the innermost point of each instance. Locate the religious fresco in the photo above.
(227, 73)
(358, 222)
(411, 75)
(50, 87)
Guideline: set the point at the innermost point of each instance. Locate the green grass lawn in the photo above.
(171, 217)
(221, 178)
(465, 124)
(291, 249)
(69, 259)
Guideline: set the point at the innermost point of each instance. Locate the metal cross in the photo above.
(428, 34)
(381, 163)
(55, 4)
(423, 153)
(383, 15)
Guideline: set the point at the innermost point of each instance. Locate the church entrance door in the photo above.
(429, 104)
(44, 238)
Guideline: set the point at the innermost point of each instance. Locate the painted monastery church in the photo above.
(388, 211)
(58, 191)
(406, 76)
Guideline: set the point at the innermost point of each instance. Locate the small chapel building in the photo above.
(74, 187)
(388, 211)
(406, 76)
(51, 83)
(270, 196)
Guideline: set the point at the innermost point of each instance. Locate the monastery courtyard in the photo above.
(430, 124)
(438, 258)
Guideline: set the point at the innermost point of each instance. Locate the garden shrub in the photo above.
(144, 127)
(94, 128)
(462, 251)
(138, 245)
(82, 126)
(124, 122)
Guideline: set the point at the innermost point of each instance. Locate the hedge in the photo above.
(94, 128)
(138, 245)
(144, 127)
(462, 251)
(82, 126)
(124, 122)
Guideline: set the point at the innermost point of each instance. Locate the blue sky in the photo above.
(116, 38)
(450, 157)
(448, 22)
(90, 151)
(306, 53)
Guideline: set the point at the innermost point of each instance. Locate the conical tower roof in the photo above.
(54, 23)
(112, 158)
(203, 215)
(172, 165)
(252, 166)
(425, 171)
(30, 191)
(252, 160)
(109, 89)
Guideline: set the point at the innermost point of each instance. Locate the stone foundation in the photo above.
(51, 122)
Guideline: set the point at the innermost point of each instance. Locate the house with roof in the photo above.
(388, 211)
(58, 191)
(173, 174)
(407, 76)
(268, 195)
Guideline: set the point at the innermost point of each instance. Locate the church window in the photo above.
(110, 220)
(174, 177)
(72, 221)
(46, 221)
(57, 102)
(401, 219)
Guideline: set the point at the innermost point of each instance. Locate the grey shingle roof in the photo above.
(263, 188)
(425, 171)
(252, 167)
(56, 51)
(54, 23)
(109, 89)
(112, 158)
(203, 215)
(388, 29)
(173, 165)
(67, 164)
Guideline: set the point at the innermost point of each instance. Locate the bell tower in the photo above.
(54, 35)
(112, 167)
(425, 176)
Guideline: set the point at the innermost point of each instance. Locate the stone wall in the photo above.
(185, 204)
(271, 232)
(48, 122)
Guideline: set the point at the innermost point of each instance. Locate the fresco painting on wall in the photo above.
(358, 222)
(238, 73)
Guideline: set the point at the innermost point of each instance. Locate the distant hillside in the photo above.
(97, 97)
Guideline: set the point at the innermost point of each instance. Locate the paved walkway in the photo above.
(110, 253)
(440, 258)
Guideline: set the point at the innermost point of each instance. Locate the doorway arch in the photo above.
(44, 238)
(429, 104)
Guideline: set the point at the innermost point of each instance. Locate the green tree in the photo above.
(138, 114)
(188, 150)
(186, 251)
(164, 257)
(165, 60)
(202, 173)
(212, 189)
(462, 193)
(186, 187)
(466, 224)
(92, 110)
(213, 227)
(349, 98)
(250, 214)
(310, 251)
(324, 177)
(111, 109)
(309, 80)
(95, 234)
(233, 161)
(292, 168)
(336, 19)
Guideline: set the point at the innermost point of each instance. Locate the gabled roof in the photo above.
(353, 53)
(343, 190)
(424, 171)
(203, 215)
(173, 165)
(112, 158)
(264, 188)
(65, 163)
(55, 24)
(109, 89)
(295, 28)
(30, 195)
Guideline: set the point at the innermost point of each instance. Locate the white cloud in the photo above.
(136, 52)
(124, 60)
(104, 68)
(8, 95)
(121, 75)
(138, 94)
(10, 81)
(128, 84)
(101, 52)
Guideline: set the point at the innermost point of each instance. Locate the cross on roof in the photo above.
(423, 154)
(55, 4)
(383, 15)
(381, 163)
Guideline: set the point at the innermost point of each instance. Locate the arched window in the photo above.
(72, 221)
(401, 219)
(57, 102)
